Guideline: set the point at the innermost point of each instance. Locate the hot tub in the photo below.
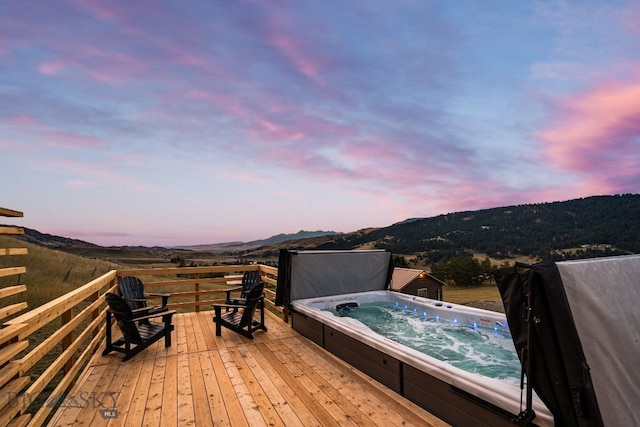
(455, 395)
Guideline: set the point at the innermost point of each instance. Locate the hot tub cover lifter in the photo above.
(582, 350)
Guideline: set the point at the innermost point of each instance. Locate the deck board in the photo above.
(169, 417)
(278, 379)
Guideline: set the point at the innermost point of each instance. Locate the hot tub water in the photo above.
(480, 349)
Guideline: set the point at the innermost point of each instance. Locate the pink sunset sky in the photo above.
(194, 122)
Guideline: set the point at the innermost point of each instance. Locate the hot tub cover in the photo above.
(312, 274)
(586, 336)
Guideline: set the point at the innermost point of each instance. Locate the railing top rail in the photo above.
(10, 213)
(185, 270)
(56, 307)
(269, 269)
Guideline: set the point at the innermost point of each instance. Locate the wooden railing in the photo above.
(81, 314)
(81, 329)
(193, 287)
(11, 336)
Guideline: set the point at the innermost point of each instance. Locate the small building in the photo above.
(416, 282)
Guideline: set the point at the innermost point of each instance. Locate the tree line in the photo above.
(543, 230)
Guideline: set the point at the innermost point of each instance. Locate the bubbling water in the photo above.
(478, 350)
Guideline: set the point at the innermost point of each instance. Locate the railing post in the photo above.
(197, 290)
(68, 339)
(95, 313)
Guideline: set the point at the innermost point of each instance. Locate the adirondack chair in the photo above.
(137, 334)
(250, 279)
(132, 291)
(240, 319)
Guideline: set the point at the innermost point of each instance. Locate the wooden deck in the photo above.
(278, 379)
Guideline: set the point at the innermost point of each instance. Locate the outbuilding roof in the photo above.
(403, 276)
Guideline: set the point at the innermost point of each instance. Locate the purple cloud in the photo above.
(596, 133)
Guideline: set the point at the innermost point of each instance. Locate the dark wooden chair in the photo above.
(132, 290)
(241, 317)
(250, 279)
(137, 330)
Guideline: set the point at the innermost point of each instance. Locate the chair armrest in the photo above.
(137, 312)
(152, 316)
(165, 297)
(227, 299)
(228, 306)
(225, 305)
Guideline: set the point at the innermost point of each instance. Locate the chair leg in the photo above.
(262, 313)
(109, 345)
(261, 325)
(218, 311)
(130, 353)
(167, 334)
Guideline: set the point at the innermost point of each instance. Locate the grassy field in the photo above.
(464, 295)
(50, 273)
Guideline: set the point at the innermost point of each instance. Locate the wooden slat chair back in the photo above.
(132, 290)
(138, 332)
(241, 318)
(250, 279)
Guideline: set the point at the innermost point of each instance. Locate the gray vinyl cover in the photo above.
(322, 273)
(604, 297)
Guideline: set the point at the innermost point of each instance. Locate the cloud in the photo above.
(4, 46)
(597, 133)
(85, 174)
(563, 71)
(51, 68)
(62, 139)
(630, 18)
(12, 145)
(24, 121)
(102, 65)
(80, 184)
(298, 52)
(101, 10)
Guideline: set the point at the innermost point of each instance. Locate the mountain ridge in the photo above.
(273, 240)
(59, 242)
(606, 224)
